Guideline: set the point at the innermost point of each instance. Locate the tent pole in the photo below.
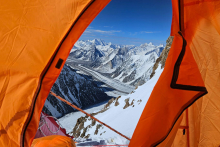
(74, 106)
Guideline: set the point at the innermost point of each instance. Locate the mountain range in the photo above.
(127, 63)
(96, 71)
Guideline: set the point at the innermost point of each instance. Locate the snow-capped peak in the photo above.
(150, 44)
(98, 42)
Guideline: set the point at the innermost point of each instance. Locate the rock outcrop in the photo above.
(162, 59)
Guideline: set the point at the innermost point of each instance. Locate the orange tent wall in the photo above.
(198, 24)
(202, 30)
(166, 103)
(36, 38)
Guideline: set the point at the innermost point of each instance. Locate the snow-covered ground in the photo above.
(69, 120)
(123, 120)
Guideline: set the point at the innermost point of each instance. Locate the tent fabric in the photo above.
(36, 38)
(53, 141)
(182, 133)
(166, 103)
(196, 31)
(48, 126)
(202, 30)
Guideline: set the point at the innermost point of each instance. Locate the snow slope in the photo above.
(68, 121)
(135, 68)
(123, 120)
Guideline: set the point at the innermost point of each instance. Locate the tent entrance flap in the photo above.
(195, 52)
(35, 35)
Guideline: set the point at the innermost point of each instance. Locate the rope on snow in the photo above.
(74, 106)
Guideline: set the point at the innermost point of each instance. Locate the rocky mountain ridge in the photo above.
(78, 89)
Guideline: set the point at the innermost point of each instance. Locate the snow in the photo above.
(69, 121)
(123, 120)
(125, 88)
(140, 63)
(110, 57)
(127, 64)
(120, 76)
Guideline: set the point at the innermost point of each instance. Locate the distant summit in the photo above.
(98, 42)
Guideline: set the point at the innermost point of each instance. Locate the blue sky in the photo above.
(132, 22)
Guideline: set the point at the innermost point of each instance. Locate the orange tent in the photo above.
(36, 38)
(174, 115)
